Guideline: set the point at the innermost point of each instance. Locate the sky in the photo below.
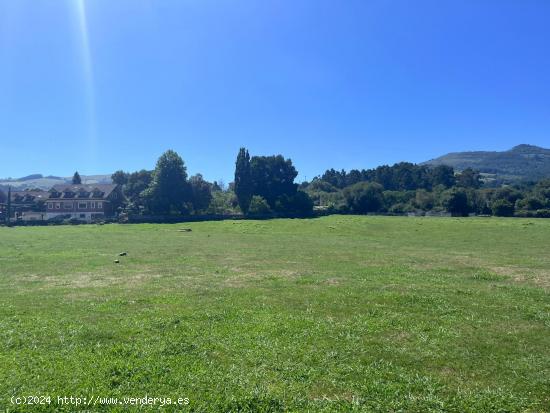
(102, 85)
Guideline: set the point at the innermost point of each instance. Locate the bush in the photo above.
(530, 203)
(392, 198)
(258, 206)
(502, 208)
(299, 204)
(364, 197)
(401, 208)
(456, 202)
(542, 213)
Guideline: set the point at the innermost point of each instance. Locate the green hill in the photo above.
(521, 163)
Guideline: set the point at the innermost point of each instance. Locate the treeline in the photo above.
(265, 186)
(403, 176)
(409, 188)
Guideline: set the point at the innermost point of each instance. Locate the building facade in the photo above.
(83, 202)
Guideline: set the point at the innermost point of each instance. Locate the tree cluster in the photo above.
(403, 176)
(265, 185)
(408, 188)
(166, 190)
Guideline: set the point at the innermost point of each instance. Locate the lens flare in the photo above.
(88, 74)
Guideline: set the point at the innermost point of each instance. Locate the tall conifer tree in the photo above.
(76, 179)
(243, 180)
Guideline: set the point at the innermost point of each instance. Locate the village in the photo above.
(70, 202)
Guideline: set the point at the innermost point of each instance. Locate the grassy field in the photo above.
(331, 314)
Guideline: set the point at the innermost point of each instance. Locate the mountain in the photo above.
(521, 163)
(31, 177)
(38, 181)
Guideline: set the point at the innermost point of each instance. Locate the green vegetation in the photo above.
(77, 180)
(266, 180)
(244, 187)
(264, 186)
(409, 188)
(341, 313)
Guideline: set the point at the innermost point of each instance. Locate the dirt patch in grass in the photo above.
(96, 279)
(539, 277)
(242, 278)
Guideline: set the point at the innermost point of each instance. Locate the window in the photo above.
(82, 215)
(92, 205)
(68, 205)
(82, 205)
(99, 205)
(57, 205)
(50, 206)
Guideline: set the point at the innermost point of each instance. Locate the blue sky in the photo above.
(100, 85)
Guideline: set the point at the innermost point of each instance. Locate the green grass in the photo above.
(331, 314)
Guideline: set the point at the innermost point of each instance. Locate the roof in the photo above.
(29, 196)
(104, 189)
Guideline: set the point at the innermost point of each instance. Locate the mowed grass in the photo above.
(340, 313)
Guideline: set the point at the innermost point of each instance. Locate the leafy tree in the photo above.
(272, 177)
(259, 206)
(354, 176)
(530, 203)
(469, 178)
(456, 202)
(322, 193)
(318, 185)
(243, 186)
(542, 190)
(76, 179)
(223, 203)
(335, 178)
(169, 190)
(479, 201)
(298, 204)
(502, 208)
(138, 182)
(408, 176)
(403, 198)
(384, 176)
(424, 200)
(442, 175)
(364, 197)
(508, 193)
(119, 178)
(202, 192)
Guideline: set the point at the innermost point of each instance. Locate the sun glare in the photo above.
(87, 72)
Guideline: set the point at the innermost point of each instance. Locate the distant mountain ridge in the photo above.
(38, 181)
(521, 163)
